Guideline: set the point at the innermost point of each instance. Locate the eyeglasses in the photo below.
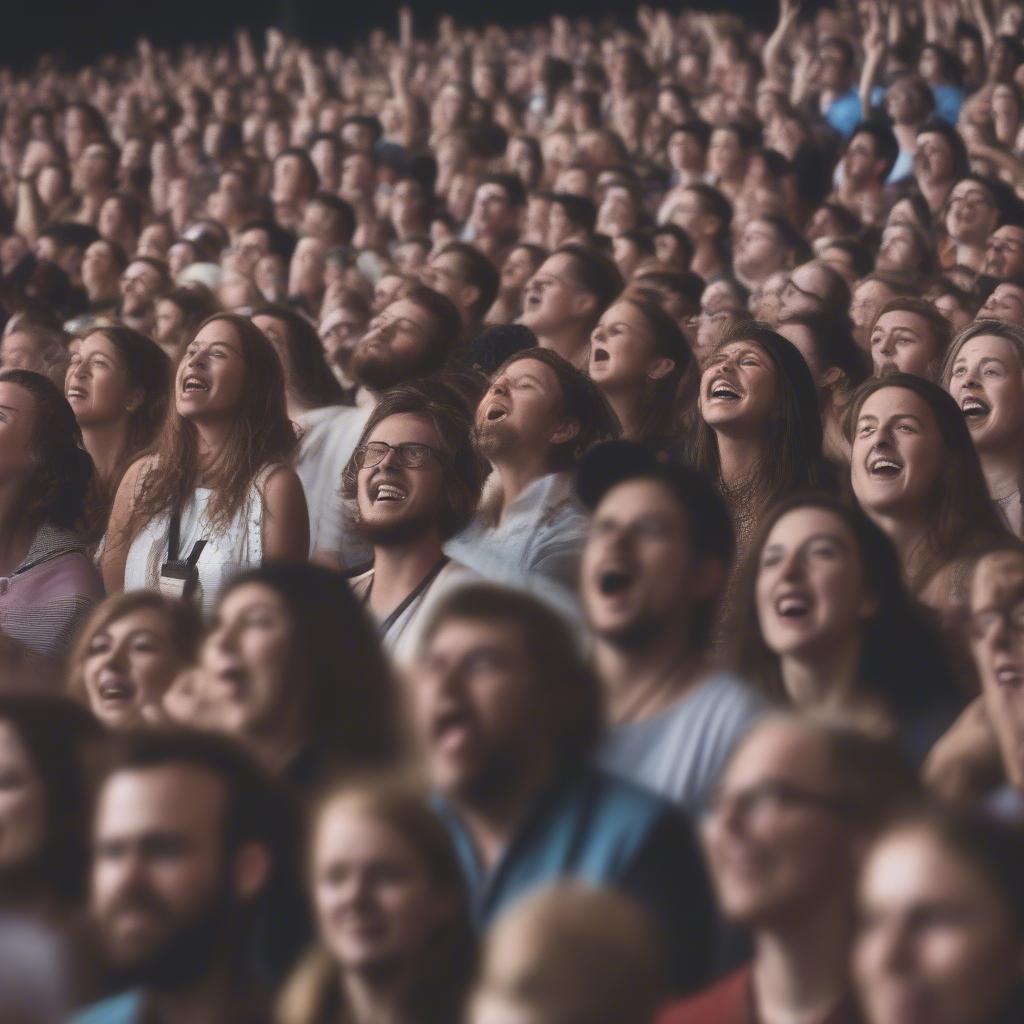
(1012, 618)
(974, 202)
(410, 455)
(774, 796)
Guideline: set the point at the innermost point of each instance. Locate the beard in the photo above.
(181, 954)
(635, 635)
(378, 370)
(493, 439)
(394, 532)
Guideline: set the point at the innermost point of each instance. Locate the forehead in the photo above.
(404, 427)
(1009, 231)
(985, 346)
(139, 269)
(404, 309)
(219, 332)
(641, 496)
(741, 347)
(996, 577)
(559, 265)
(963, 189)
(455, 635)
(541, 372)
(98, 342)
(800, 523)
(902, 319)
(896, 401)
(137, 618)
(780, 750)
(245, 594)
(151, 799)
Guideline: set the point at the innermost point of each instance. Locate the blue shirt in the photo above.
(606, 832)
(844, 112)
(120, 1009)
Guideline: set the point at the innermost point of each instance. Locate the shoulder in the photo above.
(122, 1009)
(620, 805)
(726, 1002)
(279, 483)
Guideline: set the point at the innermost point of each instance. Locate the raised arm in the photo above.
(874, 54)
(789, 11)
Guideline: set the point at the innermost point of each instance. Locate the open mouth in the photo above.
(76, 392)
(451, 727)
(192, 384)
(532, 300)
(495, 413)
(614, 581)
(116, 692)
(793, 607)
(975, 409)
(599, 355)
(388, 491)
(885, 467)
(724, 390)
(1010, 675)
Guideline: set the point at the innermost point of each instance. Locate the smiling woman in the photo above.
(217, 495)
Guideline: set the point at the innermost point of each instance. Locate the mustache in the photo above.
(137, 899)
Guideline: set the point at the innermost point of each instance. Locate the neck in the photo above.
(906, 135)
(706, 261)
(106, 444)
(738, 458)
(641, 683)
(212, 435)
(935, 193)
(211, 1000)
(823, 678)
(1002, 471)
(399, 568)
(626, 408)
(16, 530)
(375, 998)
(969, 255)
(515, 477)
(800, 970)
(570, 343)
(297, 406)
(909, 535)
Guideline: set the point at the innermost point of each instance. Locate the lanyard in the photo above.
(416, 592)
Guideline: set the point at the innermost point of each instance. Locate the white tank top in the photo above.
(228, 551)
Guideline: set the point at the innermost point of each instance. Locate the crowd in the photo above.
(517, 526)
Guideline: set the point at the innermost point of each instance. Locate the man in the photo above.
(256, 239)
(467, 277)
(869, 295)
(570, 220)
(185, 848)
(507, 714)
(413, 482)
(535, 420)
(867, 162)
(678, 294)
(65, 243)
(768, 245)
(790, 821)
(1004, 253)
(673, 248)
(909, 336)
(837, 99)
(306, 276)
(497, 215)
(657, 558)
(143, 282)
(565, 298)
(413, 337)
(328, 219)
(102, 266)
(706, 216)
(1006, 303)
(294, 182)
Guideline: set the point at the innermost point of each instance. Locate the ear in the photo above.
(661, 368)
(831, 377)
(584, 303)
(470, 294)
(565, 431)
(252, 870)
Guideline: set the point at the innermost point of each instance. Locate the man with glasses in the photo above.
(791, 817)
(467, 277)
(413, 481)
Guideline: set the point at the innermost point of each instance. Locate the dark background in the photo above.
(78, 30)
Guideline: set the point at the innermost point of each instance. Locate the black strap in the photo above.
(174, 542)
(411, 596)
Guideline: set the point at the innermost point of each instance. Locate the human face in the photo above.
(23, 810)
(868, 298)
(442, 273)
(933, 158)
(210, 381)
(802, 338)
(972, 214)
(640, 572)
(98, 270)
(902, 342)
(492, 212)
(898, 251)
(802, 292)
(339, 333)
(739, 388)
(811, 592)
(551, 299)
(393, 346)
(97, 385)
(17, 426)
(516, 270)
(860, 162)
(375, 902)
(1006, 303)
(725, 154)
(397, 502)
(276, 333)
(478, 708)
(936, 944)
(139, 285)
(19, 351)
(251, 246)
(248, 662)
(617, 212)
(129, 664)
(158, 871)
(622, 351)
(758, 252)
(987, 382)
(897, 454)
(777, 840)
(997, 643)
(169, 322)
(1004, 253)
(521, 411)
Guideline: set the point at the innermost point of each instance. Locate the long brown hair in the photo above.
(260, 434)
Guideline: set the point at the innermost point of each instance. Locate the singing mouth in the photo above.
(599, 355)
(792, 606)
(495, 413)
(386, 491)
(76, 392)
(975, 408)
(193, 383)
(725, 391)
(885, 466)
(614, 581)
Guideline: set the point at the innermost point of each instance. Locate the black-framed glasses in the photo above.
(410, 454)
(773, 796)
(1012, 618)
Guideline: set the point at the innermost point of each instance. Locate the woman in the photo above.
(117, 384)
(293, 667)
(824, 622)
(128, 654)
(519, 266)
(760, 432)
(48, 581)
(638, 356)
(837, 365)
(916, 474)
(984, 372)
(389, 898)
(216, 495)
(941, 935)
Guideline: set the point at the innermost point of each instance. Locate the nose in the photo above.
(792, 567)
(888, 346)
(390, 458)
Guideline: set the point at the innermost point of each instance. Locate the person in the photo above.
(705, 214)
(28, 344)
(49, 582)
(941, 915)
(144, 280)
(984, 372)
(180, 886)
(118, 384)
(179, 312)
(658, 554)
(794, 810)
(467, 277)
(570, 952)
(768, 244)
(566, 297)
(814, 287)
(638, 356)
(870, 294)
(506, 714)
(1004, 253)
(218, 474)
(496, 219)
(394, 935)
(915, 472)
(518, 267)
(127, 655)
(871, 153)
(909, 336)
(823, 622)
(975, 208)
(1005, 302)
(536, 419)
(415, 481)
(283, 668)
(760, 433)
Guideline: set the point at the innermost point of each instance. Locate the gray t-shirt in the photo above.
(681, 752)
